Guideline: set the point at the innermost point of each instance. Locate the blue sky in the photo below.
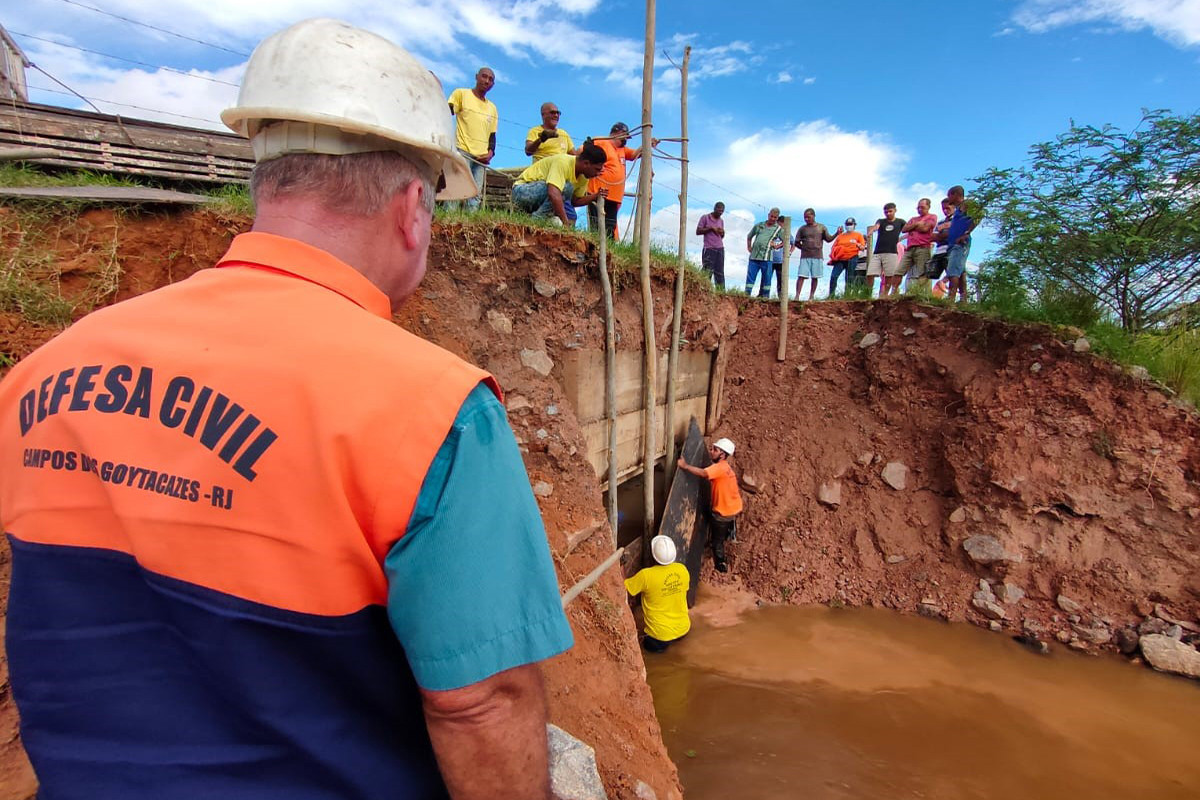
(839, 106)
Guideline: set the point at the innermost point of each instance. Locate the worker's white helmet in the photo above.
(724, 445)
(323, 86)
(663, 549)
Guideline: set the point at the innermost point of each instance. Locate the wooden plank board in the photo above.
(716, 389)
(108, 194)
(629, 435)
(583, 380)
(27, 153)
(36, 119)
(685, 518)
(86, 140)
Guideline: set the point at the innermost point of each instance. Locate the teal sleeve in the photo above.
(471, 586)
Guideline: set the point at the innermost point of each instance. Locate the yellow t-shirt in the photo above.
(664, 599)
(559, 144)
(475, 121)
(557, 170)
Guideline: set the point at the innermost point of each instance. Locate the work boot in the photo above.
(722, 566)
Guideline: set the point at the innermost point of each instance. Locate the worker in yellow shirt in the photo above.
(475, 119)
(726, 499)
(664, 590)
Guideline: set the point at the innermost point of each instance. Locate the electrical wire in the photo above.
(115, 103)
(155, 28)
(127, 60)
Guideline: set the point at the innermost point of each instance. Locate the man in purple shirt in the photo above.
(712, 258)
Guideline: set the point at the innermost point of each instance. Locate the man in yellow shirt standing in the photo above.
(475, 120)
(664, 590)
(726, 499)
(547, 185)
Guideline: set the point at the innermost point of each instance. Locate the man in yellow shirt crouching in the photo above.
(664, 589)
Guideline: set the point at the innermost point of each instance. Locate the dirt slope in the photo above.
(1086, 478)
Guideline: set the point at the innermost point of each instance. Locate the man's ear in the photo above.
(407, 209)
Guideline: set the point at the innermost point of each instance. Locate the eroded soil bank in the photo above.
(1084, 477)
(1039, 469)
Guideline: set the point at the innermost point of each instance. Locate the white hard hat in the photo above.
(724, 445)
(323, 86)
(663, 549)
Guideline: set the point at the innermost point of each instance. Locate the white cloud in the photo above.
(782, 77)
(809, 81)
(812, 164)
(1177, 21)
(156, 95)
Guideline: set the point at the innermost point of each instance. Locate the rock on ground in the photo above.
(1170, 655)
(573, 773)
(1010, 593)
(868, 340)
(830, 494)
(538, 361)
(984, 549)
(1068, 605)
(895, 475)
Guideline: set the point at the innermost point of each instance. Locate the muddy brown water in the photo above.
(863, 703)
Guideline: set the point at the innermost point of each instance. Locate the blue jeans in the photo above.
(753, 270)
(956, 259)
(534, 199)
(479, 173)
(839, 267)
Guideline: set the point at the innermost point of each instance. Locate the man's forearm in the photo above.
(490, 737)
(556, 202)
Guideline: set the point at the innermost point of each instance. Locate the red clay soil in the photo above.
(1088, 477)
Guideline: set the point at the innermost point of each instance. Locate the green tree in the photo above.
(1107, 214)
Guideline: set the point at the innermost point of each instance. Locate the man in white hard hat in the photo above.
(725, 501)
(282, 547)
(664, 589)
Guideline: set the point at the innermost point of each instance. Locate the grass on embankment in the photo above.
(1171, 355)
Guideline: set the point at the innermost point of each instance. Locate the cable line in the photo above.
(155, 28)
(127, 60)
(115, 103)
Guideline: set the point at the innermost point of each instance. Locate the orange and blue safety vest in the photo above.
(249, 517)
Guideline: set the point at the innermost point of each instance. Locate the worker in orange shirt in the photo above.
(610, 183)
(726, 499)
(843, 256)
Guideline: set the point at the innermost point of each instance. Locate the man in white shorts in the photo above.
(884, 259)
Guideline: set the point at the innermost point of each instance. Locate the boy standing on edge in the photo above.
(664, 590)
(726, 499)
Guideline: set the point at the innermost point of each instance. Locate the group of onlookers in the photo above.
(930, 253)
(563, 176)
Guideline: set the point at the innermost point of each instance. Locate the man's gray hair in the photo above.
(358, 184)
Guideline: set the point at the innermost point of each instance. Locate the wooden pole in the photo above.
(591, 577)
(650, 349)
(784, 289)
(610, 371)
(677, 322)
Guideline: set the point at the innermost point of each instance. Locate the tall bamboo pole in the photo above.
(673, 356)
(610, 371)
(649, 448)
(784, 289)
